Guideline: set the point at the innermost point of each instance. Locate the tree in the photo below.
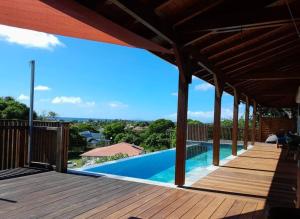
(226, 122)
(80, 127)
(160, 126)
(76, 140)
(130, 138)
(193, 122)
(52, 115)
(113, 129)
(12, 109)
(157, 141)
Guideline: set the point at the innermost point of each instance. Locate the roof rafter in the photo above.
(263, 16)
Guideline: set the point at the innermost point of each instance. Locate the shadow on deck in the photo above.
(19, 172)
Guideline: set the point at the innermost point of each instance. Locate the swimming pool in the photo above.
(159, 166)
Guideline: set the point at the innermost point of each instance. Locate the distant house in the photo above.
(94, 138)
(120, 148)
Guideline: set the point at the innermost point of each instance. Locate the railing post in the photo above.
(254, 122)
(181, 129)
(235, 124)
(246, 128)
(59, 151)
(298, 185)
(217, 121)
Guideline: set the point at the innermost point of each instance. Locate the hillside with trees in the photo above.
(12, 109)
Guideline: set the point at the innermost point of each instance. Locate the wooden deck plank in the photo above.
(172, 207)
(140, 209)
(248, 210)
(118, 206)
(62, 204)
(198, 208)
(94, 201)
(211, 208)
(236, 209)
(43, 195)
(144, 200)
(110, 203)
(223, 209)
(181, 210)
(161, 205)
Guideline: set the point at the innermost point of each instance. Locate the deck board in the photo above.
(261, 173)
(243, 188)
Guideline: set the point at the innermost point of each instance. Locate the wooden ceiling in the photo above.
(252, 44)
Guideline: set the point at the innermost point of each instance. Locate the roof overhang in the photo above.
(71, 19)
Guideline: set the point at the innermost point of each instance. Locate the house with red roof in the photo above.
(120, 148)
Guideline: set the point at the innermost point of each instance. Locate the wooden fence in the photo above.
(200, 132)
(50, 142)
(275, 125)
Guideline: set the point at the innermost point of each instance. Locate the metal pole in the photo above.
(32, 65)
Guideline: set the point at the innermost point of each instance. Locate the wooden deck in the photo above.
(261, 173)
(238, 190)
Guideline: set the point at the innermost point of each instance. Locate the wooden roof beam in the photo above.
(269, 59)
(263, 55)
(263, 16)
(256, 50)
(276, 75)
(197, 9)
(264, 38)
(219, 78)
(145, 17)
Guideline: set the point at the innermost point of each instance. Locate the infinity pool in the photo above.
(158, 166)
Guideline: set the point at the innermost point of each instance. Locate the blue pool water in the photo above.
(158, 166)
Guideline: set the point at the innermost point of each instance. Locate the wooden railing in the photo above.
(204, 132)
(50, 142)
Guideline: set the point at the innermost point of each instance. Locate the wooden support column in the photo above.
(254, 123)
(259, 126)
(246, 128)
(217, 120)
(298, 185)
(235, 124)
(181, 129)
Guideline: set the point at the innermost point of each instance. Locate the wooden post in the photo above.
(181, 129)
(217, 121)
(259, 128)
(254, 122)
(298, 185)
(246, 128)
(235, 124)
(59, 151)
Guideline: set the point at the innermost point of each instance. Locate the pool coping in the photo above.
(191, 177)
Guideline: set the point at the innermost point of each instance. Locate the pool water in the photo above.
(158, 166)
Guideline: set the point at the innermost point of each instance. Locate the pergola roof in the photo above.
(251, 45)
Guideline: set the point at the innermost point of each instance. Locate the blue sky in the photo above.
(86, 79)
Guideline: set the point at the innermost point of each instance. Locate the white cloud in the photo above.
(29, 38)
(64, 99)
(174, 94)
(42, 88)
(23, 97)
(117, 105)
(204, 87)
(90, 104)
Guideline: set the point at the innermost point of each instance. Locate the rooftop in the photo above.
(120, 148)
